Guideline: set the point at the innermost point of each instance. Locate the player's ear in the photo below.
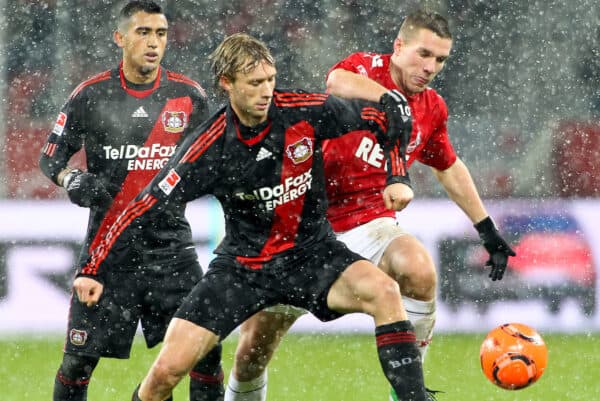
(398, 43)
(118, 38)
(225, 83)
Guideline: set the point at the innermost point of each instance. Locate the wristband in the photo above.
(69, 176)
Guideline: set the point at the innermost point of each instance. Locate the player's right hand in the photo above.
(87, 290)
(86, 190)
(398, 114)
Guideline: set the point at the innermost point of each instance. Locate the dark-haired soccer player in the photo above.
(129, 121)
(260, 156)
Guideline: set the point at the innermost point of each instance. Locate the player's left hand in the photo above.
(397, 196)
(88, 290)
(496, 246)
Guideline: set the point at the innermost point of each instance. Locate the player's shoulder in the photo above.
(181, 79)
(292, 98)
(90, 83)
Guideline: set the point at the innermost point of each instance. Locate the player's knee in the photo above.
(387, 292)
(414, 270)
(167, 373)
(77, 367)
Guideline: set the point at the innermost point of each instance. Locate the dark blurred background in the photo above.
(522, 83)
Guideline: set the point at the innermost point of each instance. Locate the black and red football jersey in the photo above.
(269, 179)
(128, 133)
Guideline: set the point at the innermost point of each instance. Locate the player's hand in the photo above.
(86, 190)
(87, 290)
(397, 196)
(496, 246)
(398, 114)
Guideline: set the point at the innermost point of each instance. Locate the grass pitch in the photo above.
(321, 368)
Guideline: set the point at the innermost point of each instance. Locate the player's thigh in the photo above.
(184, 345)
(362, 287)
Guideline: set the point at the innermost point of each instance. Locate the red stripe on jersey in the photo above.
(287, 215)
(49, 149)
(395, 338)
(137, 179)
(173, 76)
(132, 212)
(103, 76)
(371, 113)
(299, 99)
(204, 140)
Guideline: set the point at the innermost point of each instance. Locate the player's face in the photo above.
(143, 41)
(417, 60)
(251, 93)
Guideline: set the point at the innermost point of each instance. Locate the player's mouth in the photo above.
(420, 81)
(262, 106)
(151, 57)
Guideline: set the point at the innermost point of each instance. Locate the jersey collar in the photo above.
(137, 93)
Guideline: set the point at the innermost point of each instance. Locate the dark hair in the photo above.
(135, 6)
(425, 19)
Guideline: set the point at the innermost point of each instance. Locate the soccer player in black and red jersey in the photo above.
(129, 121)
(355, 178)
(260, 156)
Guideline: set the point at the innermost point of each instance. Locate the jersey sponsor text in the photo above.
(291, 189)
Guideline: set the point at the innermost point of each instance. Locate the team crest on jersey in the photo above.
(59, 125)
(300, 151)
(413, 145)
(78, 337)
(174, 121)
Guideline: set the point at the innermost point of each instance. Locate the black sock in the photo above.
(206, 378)
(401, 360)
(66, 389)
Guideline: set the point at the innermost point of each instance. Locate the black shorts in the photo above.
(230, 292)
(151, 295)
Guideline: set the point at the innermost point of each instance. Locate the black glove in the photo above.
(399, 129)
(496, 246)
(86, 190)
(398, 113)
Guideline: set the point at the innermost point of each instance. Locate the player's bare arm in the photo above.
(347, 84)
(459, 185)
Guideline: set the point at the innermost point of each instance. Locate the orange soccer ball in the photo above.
(513, 356)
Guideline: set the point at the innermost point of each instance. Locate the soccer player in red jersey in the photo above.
(354, 167)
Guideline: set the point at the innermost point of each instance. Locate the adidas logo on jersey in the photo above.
(263, 154)
(140, 112)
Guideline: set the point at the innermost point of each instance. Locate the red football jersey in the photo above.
(355, 165)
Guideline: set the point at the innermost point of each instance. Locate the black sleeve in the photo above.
(188, 175)
(200, 108)
(65, 139)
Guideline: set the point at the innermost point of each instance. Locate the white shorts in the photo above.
(369, 240)
(372, 239)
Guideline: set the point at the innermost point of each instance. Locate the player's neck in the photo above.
(135, 76)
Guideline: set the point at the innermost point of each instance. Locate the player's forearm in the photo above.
(459, 186)
(349, 85)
